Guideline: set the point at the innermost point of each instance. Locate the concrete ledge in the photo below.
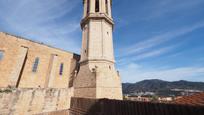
(60, 112)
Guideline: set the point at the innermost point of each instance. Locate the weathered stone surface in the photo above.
(97, 77)
(61, 112)
(18, 60)
(34, 101)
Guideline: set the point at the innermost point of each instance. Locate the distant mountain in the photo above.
(160, 86)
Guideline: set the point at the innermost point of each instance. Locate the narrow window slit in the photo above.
(110, 67)
(35, 65)
(1, 55)
(61, 68)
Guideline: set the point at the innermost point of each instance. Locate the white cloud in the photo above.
(155, 41)
(165, 7)
(145, 55)
(38, 20)
(134, 72)
(152, 53)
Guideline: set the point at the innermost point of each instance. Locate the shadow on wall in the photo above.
(74, 71)
(80, 106)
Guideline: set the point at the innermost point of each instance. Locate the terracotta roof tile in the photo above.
(196, 99)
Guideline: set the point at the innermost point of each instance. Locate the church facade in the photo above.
(33, 71)
(28, 64)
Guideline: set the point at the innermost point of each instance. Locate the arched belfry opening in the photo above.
(88, 6)
(107, 6)
(97, 6)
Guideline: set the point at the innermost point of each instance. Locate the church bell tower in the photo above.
(97, 76)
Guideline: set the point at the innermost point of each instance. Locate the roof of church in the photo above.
(196, 99)
(41, 43)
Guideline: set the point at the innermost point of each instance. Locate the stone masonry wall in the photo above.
(18, 61)
(34, 101)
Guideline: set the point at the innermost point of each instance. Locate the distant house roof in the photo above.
(196, 99)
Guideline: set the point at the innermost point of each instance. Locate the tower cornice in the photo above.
(97, 60)
(96, 16)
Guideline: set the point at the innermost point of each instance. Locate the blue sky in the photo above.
(153, 39)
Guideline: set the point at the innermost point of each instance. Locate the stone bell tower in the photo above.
(97, 77)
